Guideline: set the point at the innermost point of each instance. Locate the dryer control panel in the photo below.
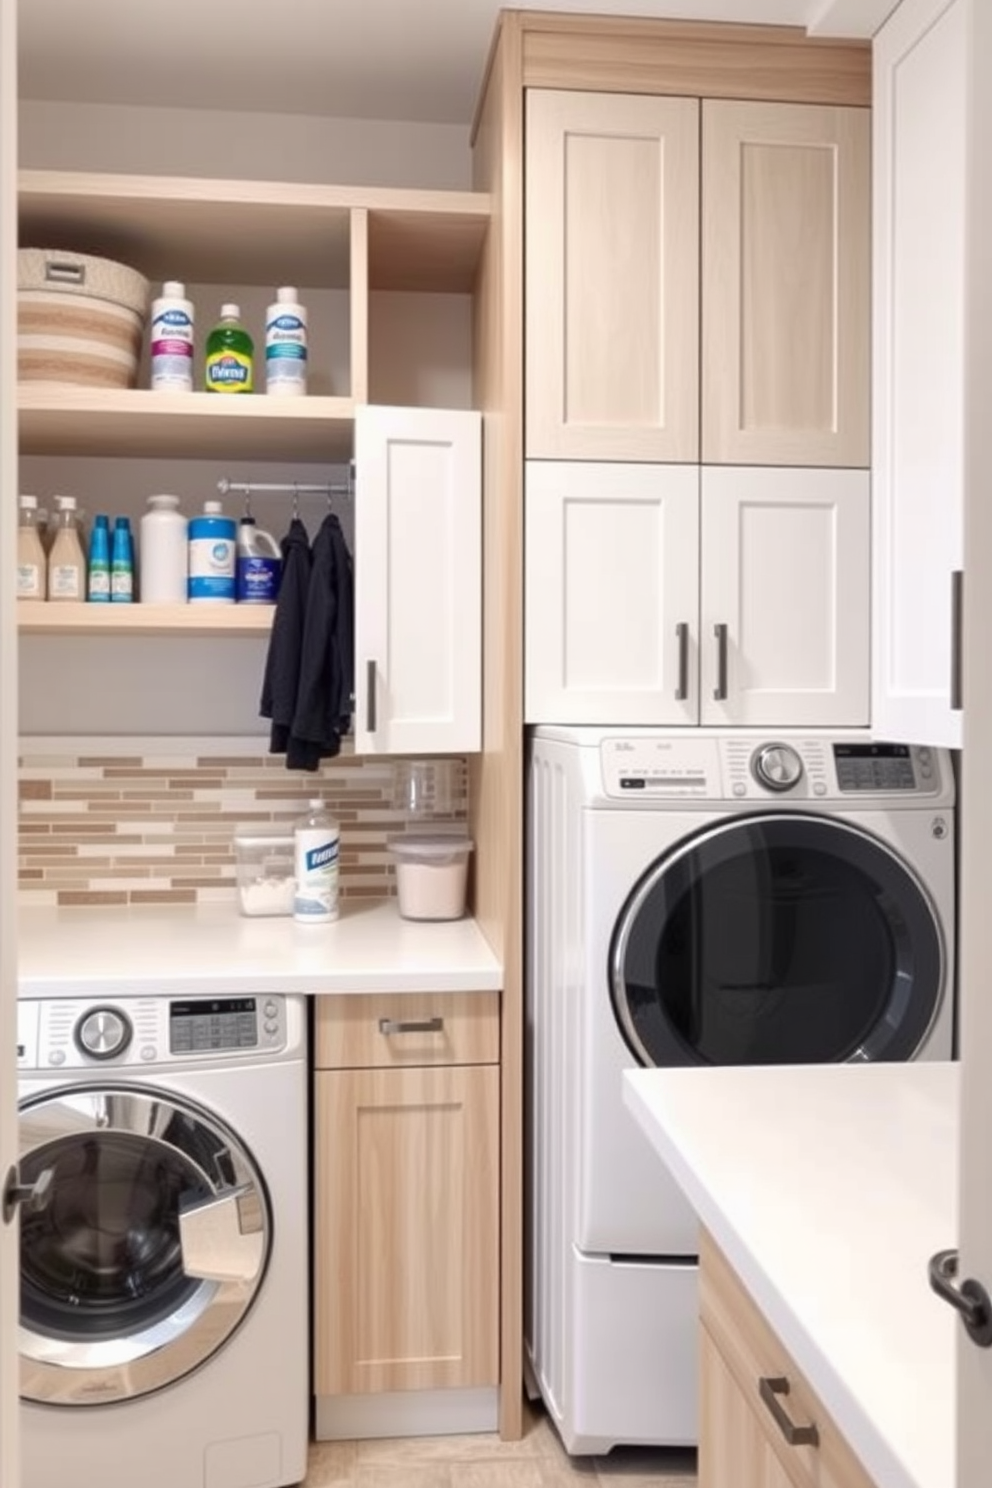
(789, 769)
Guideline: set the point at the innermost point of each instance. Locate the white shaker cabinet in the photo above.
(612, 272)
(612, 592)
(784, 614)
(669, 595)
(418, 587)
(918, 396)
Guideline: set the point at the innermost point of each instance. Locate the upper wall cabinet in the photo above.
(918, 394)
(418, 578)
(785, 298)
(614, 263)
(612, 273)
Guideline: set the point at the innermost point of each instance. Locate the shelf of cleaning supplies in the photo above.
(123, 421)
(62, 618)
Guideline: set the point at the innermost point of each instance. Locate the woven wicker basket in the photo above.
(79, 319)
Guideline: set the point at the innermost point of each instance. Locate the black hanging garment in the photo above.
(281, 683)
(327, 665)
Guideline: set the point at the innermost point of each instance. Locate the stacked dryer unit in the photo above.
(698, 898)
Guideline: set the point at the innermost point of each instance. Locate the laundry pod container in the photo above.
(80, 320)
(431, 874)
(263, 854)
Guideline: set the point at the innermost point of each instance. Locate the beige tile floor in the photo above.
(537, 1461)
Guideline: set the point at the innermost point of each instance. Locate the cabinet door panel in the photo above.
(918, 392)
(612, 212)
(611, 576)
(785, 284)
(785, 569)
(418, 597)
(407, 1213)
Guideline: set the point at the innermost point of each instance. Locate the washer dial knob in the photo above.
(103, 1032)
(777, 767)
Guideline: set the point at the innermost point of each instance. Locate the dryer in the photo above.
(165, 1267)
(700, 898)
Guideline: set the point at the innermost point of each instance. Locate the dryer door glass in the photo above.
(779, 939)
(148, 1251)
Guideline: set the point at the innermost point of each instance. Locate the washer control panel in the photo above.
(145, 1031)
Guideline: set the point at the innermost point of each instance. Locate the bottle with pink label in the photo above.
(172, 340)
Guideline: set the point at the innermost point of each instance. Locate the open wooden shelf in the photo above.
(257, 232)
(110, 421)
(60, 618)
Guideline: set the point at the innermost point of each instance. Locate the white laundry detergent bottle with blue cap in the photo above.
(318, 844)
(259, 564)
(212, 546)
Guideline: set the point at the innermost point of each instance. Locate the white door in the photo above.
(919, 66)
(611, 593)
(784, 624)
(975, 1364)
(418, 581)
(9, 1473)
(612, 276)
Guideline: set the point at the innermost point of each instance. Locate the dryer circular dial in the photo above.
(103, 1032)
(777, 767)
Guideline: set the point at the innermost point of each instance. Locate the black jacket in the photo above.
(280, 686)
(327, 663)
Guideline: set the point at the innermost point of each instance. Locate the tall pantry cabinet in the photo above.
(607, 524)
(697, 286)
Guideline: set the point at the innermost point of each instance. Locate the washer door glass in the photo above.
(149, 1249)
(779, 939)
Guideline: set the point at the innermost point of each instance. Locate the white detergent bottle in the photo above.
(317, 839)
(286, 345)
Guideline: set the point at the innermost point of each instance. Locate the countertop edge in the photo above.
(873, 1451)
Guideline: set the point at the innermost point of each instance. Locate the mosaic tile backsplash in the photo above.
(158, 828)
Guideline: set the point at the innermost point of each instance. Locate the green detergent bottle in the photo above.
(230, 355)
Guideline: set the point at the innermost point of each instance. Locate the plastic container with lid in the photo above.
(66, 559)
(212, 552)
(266, 875)
(32, 562)
(431, 874)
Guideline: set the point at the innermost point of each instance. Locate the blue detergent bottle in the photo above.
(259, 564)
(212, 538)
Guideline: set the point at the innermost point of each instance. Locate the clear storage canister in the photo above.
(162, 552)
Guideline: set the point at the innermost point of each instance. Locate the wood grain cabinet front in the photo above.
(762, 1426)
(620, 275)
(406, 1196)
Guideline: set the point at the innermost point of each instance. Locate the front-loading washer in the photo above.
(164, 1297)
(700, 898)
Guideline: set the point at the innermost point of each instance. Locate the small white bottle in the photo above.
(317, 842)
(286, 345)
(172, 340)
(162, 552)
(66, 559)
(32, 562)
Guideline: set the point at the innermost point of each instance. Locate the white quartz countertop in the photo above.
(212, 949)
(828, 1188)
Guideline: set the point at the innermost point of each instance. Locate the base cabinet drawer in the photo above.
(762, 1425)
(407, 1229)
(399, 1030)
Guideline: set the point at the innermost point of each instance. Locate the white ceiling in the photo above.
(417, 60)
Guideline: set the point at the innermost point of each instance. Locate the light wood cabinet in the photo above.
(418, 581)
(753, 1399)
(612, 212)
(920, 63)
(406, 1163)
(666, 595)
(619, 277)
(785, 284)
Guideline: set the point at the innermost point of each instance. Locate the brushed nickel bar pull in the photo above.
(796, 1436)
(411, 1025)
(370, 707)
(682, 690)
(720, 690)
(957, 615)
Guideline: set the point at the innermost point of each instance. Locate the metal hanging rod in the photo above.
(286, 488)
